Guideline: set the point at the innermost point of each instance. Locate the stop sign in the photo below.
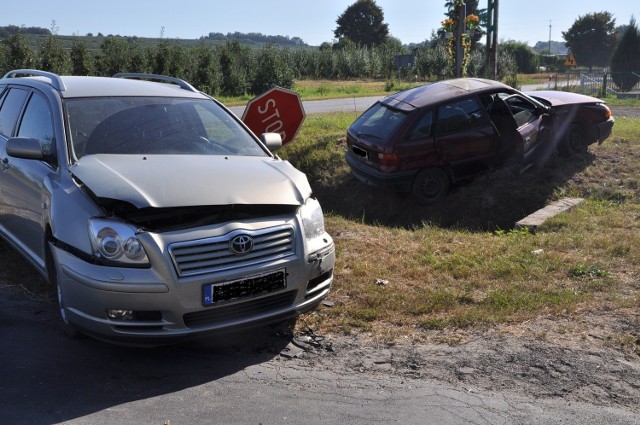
(275, 111)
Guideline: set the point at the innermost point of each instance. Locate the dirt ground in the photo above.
(572, 358)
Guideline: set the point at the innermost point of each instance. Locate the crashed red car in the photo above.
(425, 139)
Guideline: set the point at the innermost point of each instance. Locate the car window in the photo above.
(160, 126)
(422, 128)
(460, 115)
(378, 122)
(37, 123)
(523, 110)
(10, 110)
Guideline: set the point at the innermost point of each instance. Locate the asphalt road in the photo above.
(46, 378)
(356, 105)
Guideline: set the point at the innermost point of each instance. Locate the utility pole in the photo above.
(492, 39)
(462, 13)
(549, 37)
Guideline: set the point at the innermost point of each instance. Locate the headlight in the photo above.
(312, 219)
(116, 243)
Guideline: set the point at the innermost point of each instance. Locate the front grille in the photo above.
(239, 311)
(214, 254)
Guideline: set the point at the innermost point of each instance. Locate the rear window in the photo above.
(378, 122)
(460, 115)
(155, 126)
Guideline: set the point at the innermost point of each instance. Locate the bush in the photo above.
(625, 62)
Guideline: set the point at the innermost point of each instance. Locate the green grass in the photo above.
(457, 264)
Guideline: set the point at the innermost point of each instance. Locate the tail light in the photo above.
(388, 161)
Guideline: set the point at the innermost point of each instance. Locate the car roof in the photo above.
(85, 86)
(430, 94)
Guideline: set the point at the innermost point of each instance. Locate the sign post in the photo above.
(275, 111)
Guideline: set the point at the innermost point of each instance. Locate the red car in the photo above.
(424, 139)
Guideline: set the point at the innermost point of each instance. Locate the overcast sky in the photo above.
(313, 21)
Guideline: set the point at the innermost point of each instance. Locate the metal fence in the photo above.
(602, 84)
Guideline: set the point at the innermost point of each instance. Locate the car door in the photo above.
(11, 105)
(416, 149)
(464, 136)
(532, 124)
(24, 198)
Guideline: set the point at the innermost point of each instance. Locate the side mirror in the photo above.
(273, 141)
(24, 147)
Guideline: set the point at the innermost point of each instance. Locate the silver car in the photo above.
(153, 210)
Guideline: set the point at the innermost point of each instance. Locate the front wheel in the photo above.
(430, 185)
(573, 141)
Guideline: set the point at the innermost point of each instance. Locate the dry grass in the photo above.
(457, 264)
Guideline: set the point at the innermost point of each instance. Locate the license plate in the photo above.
(244, 288)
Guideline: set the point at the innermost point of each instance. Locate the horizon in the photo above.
(410, 21)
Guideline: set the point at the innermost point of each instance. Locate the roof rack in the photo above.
(55, 79)
(156, 77)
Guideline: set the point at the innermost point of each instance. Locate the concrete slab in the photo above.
(537, 219)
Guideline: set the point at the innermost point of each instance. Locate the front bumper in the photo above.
(604, 130)
(168, 308)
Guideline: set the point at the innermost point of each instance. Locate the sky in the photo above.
(411, 21)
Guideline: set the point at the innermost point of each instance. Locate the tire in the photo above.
(430, 185)
(52, 270)
(574, 141)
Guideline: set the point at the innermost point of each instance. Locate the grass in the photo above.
(458, 264)
(326, 89)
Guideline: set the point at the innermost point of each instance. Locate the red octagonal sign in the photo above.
(275, 111)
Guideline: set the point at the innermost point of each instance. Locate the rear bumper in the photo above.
(397, 181)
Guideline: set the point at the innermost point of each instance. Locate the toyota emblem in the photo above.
(241, 244)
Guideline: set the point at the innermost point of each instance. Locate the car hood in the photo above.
(163, 181)
(559, 98)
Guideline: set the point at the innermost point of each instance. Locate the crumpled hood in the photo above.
(558, 98)
(163, 181)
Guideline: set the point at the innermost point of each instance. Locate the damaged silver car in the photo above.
(156, 213)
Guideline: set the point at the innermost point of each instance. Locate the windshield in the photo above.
(155, 126)
(378, 122)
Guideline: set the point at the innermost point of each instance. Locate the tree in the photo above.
(53, 56)
(273, 70)
(362, 23)
(526, 60)
(114, 57)
(80, 58)
(232, 57)
(625, 62)
(18, 54)
(592, 38)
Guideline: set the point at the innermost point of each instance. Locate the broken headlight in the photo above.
(115, 243)
(312, 219)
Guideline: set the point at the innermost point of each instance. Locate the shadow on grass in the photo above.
(494, 200)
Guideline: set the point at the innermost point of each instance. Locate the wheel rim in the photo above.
(431, 187)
